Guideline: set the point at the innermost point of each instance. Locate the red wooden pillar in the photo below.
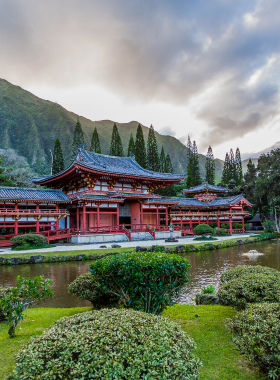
(98, 216)
(219, 223)
(56, 222)
(157, 216)
(166, 216)
(230, 225)
(37, 220)
(16, 221)
(84, 218)
(243, 227)
(77, 218)
(118, 213)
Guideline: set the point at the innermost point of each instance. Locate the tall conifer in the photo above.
(233, 171)
(131, 146)
(78, 138)
(162, 161)
(250, 178)
(239, 172)
(189, 174)
(195, 167)
(210, 167)
(168, 165)
(58, 160)
(226, 176)
(152, 151)
(116, 147)
(190, 148)
(95, 143)
(140, 148)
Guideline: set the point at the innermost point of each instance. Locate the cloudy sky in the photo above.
(210, 69)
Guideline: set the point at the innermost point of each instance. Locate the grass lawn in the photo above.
(221, 361)
(103, 251)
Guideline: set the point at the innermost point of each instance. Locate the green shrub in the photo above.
(203, 229)
(109, 344)
(225, 226)
(250, 288)
(210, 289)
(3, 294)
(87, 287)
(28, 239)
(244, 270)
(148, 281)
(268, 225)
(247, 226)
(256, 332)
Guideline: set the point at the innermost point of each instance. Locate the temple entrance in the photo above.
(125, 213)
(124, 220)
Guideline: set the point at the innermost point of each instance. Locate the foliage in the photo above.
(268, 225)
(131, 146)
(162, 161)
(210, 289)
(95, 143)
(28, 246)
(4, 292)
(110, 344)
(4, 180)
(244, 270)
(252, 287)
(203, 229)
(78, 139)
(58, 160)
(220, 232)
(31, 239)
(250, 178)
(205, 238)
(195, 166)
(238, 165)
(87, 287)
(256, 333)
(210, 167)
(226, 176)
(153, 162)
(168, 165)
(116, 147)
(27, 293)
(148, 282)
(140, 148)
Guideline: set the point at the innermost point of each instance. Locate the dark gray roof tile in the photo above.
(24, 193)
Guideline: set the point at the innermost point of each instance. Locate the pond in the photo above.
(207, 266)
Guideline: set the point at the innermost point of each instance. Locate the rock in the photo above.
(115, 246)
(141, 249)
(206, 299)
(196, 315)
(80, 257)
(15, 260)
(103, 246)
(36, 259)
(191, 247)
(240, 242)
(168, 250)
(180, 248)
(1, 260)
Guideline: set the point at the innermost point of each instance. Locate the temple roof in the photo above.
(30, 194)
(205, 187)
(130, 194)
(112, 164)
(97, 197)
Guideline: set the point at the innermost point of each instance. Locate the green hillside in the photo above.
(30, 125)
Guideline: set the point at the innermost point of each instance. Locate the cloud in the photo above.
(221, 55)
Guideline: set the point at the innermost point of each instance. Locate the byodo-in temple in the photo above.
(100, 198)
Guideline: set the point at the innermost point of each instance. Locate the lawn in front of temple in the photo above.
(221, 360)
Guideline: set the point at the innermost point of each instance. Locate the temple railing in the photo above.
(8, 211)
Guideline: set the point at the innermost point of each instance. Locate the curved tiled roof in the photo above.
(114, 165)
(205, 187)
(30, 194)
(97, 197)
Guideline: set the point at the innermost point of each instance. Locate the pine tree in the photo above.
(250, 178)
(195, 167)
(131, 146)
(152, 151)
(162, 161)
(168, 165)
(78, 139)
(95, 144)
(210, 167)
(233, 172)
(226, 176)
(190, 149)
(140, 148)
(189, 174)
(58, 160)
(116, 147)
(239, 172)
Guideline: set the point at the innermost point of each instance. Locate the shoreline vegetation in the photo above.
(83, 255)
(205, 324)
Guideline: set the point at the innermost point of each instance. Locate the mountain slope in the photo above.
(30, 125)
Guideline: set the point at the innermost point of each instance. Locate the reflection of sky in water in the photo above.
(206, 269)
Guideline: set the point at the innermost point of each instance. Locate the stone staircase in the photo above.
(140, 236)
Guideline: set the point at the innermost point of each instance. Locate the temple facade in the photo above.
(100, 194)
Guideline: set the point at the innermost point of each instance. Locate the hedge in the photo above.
(28, 239)
(203, 229)
(256, 332)
(148, 282)
(109, 344)
(244, 270)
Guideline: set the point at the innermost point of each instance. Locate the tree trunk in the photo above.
(11, 331)
(276, 224)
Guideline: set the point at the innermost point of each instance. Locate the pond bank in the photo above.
(30, 258)
(221, 360)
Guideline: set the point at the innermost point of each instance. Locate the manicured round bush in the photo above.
(146, 281)
(250, 288)
(87, 287)
(244, 270)
(28, 239)
(256, 332)
(203, 229)
(109, 344)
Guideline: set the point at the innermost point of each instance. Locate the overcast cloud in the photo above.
(219, 57)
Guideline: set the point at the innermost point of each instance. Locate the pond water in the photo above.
(206, 268)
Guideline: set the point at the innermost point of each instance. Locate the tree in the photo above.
(226, 176)
(168, 165)
(131, 146)
(203, 230)
(195, 166)
(233, 172)
(162, 161)
(210, 167)
(58, 159)
(95, 143)
(140, 148)
(152, 151)
(238, 165)
(116, 147)
(4, 180)
(190, 149)
(78, 139)
(250, 178)
(27, 293)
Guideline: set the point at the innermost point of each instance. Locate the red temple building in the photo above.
(104, 198)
